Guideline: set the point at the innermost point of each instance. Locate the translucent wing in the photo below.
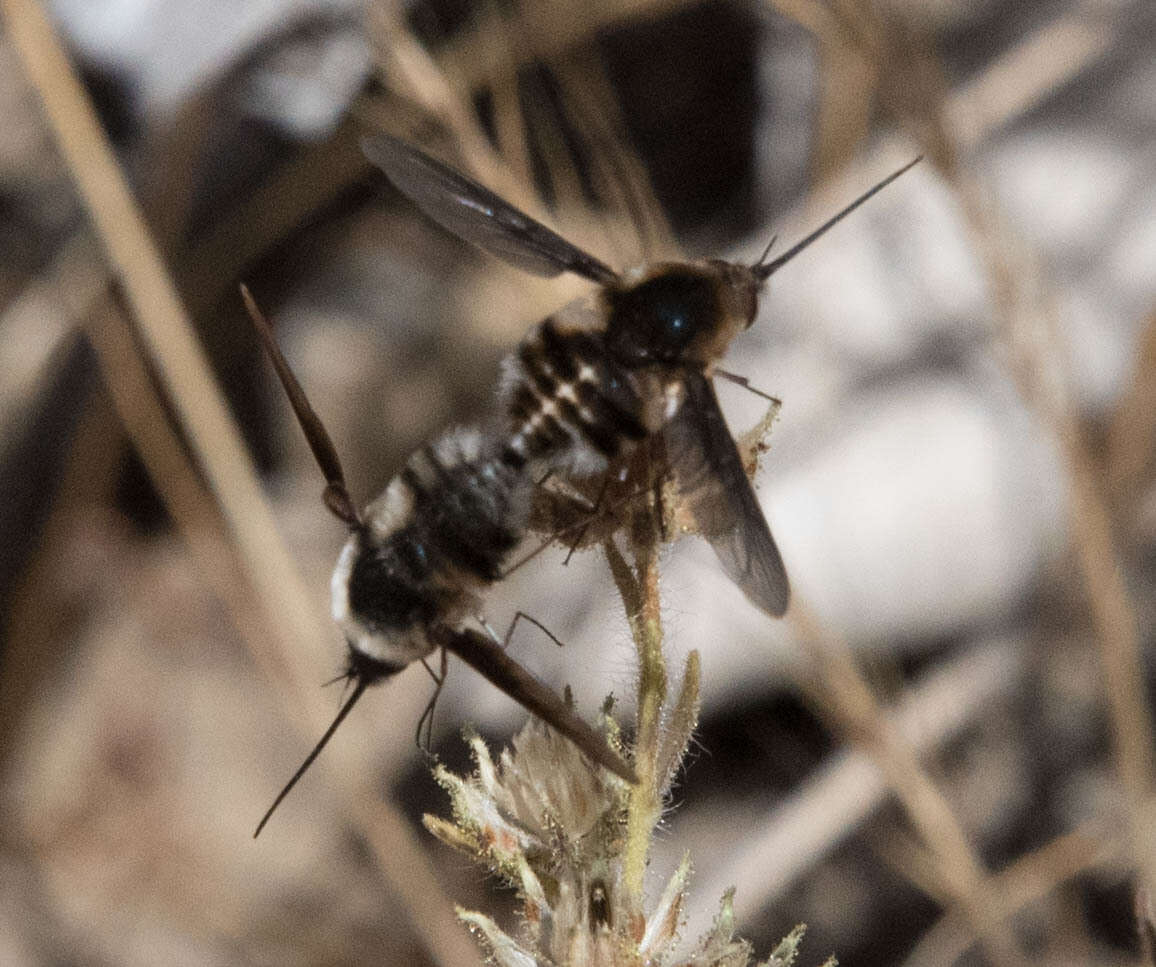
(477, 215)
(711, 480)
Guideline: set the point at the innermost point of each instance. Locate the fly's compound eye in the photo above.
(659, 319)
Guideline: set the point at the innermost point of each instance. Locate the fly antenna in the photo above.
(336, 496)
(345, 709)
(763, 270)
(763, 258)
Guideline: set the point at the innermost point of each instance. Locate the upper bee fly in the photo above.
(599, 376)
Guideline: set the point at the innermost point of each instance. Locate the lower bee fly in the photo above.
(415, 561)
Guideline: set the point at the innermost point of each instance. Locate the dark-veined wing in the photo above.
(714, 486)
(475, 214)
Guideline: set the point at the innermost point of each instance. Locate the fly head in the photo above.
(680, 313)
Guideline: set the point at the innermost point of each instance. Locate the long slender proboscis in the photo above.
(358, 690)
(488, 659)
(765, 270)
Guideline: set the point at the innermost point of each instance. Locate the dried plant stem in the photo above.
(843, 694)
(914, 88)
(1023, 76)
(402, 859)
(1117, 633)
(773, 850)
(1029, 329)
(142, 414)
(1026, 881)
(36, 640)
(646, 796)
(1029, 878)
(165, 328)
(167, 332)
(1131, 457)
(1027, 324)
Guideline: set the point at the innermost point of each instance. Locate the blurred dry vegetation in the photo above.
(943, 754)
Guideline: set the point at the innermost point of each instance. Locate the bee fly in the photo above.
(595, 379)
(416, 560)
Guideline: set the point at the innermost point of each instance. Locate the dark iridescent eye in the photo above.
(674, 325)
(658, 319)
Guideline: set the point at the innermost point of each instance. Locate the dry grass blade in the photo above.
(617, 172)
(164, 325)
(1029, 879)
(50, 307)
(1132, 432)
(843, 695)
(35, 629)
(1025, 75)
(269, 214)
(414, 73)
(167, 332)
(1025, 317)
(143, 416)
(792, 837)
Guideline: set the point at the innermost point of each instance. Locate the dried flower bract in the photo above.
(553, 826)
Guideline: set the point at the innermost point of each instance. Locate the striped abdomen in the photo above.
(566, 400)
(437, 536)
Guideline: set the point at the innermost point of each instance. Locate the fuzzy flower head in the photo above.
(553, 825)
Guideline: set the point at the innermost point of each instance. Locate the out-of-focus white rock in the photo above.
(933, 508)
(896, 272)
(1064, 188)
(1085, 200)
(306, 85)
(168, 50)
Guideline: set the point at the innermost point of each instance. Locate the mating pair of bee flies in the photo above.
(585, 389)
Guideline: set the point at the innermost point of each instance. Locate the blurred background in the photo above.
(944, 753)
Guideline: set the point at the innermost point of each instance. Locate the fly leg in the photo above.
(594, 511)
(745, 383)
(591, 511)
(522, 616)
(427, 716)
